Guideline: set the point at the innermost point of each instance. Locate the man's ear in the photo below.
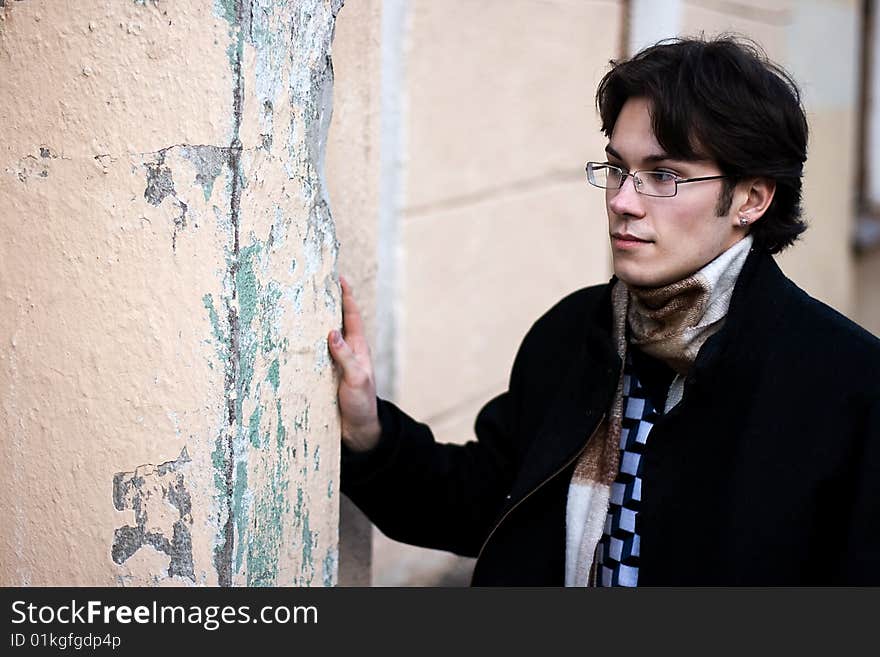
(758, 196)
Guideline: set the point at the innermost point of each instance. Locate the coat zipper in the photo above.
(539, 486)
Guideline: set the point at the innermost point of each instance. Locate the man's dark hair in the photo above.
(721, 99)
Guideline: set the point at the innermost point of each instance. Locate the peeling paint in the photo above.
(239, 510)
(252, 472)
(159, 186)
(160, 182)
(273, 376)
(254, 428)
(301, 421)
(149, 491)
(29, 166)
(208, 162)
(267, 538)
(330, 567)
(322, 355)
(232, 474)
(308, 542)
(280, 431)
(220, 336)
(227, 10)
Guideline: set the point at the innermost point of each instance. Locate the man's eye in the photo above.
(664, 176)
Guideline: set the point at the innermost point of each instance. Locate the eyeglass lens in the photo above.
(653, 183)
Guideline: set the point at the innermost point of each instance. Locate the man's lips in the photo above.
(626, 237)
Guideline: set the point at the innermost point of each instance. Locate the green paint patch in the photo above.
(254, 427)
(330, 563)
(247, 288)
(259, 511)
(269, 300)
(225, 9)
(298, 509)
(219, 333)
(273, 375)
(267, 533)
(280, 430)
(246, 360)
(308, 542)
(218, 461)
(247, 292)
(239, 510)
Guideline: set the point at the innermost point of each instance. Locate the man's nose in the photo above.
(626, 200)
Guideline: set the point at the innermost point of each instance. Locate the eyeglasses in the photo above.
(649, 183)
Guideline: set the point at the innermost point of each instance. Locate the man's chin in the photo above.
(642, 276)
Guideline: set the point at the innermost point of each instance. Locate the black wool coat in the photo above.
(766, 473)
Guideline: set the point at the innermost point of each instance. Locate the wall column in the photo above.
(168, 277)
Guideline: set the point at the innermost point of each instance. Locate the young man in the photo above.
(697, 420)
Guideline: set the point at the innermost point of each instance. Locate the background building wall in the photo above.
(167, 275)
(353, 182)
(496, 223)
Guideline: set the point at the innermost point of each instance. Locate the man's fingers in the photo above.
(344, 356)
(341, 352)
(352, 323)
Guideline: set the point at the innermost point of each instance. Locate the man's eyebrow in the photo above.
(609, 149)
(653, 157)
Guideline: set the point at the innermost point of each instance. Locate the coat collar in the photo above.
(757, 308)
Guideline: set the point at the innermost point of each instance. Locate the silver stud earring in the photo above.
(743, 220)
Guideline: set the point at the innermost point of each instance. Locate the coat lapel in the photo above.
(583, 397)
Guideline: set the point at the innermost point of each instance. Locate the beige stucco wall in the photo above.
(497, 222)
(353, 172)
(167, 403)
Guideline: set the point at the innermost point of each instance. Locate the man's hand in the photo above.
(357, 387)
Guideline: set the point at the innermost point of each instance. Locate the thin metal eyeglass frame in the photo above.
(637, 182)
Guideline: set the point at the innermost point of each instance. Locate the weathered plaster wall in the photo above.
(167, 275)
